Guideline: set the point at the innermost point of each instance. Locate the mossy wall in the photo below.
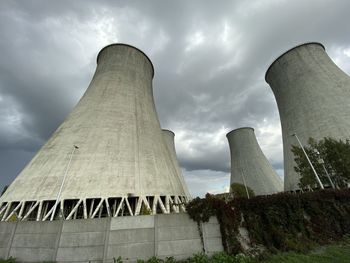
(279, 222)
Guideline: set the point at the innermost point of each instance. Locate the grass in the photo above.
(329, 254)
(337, 253)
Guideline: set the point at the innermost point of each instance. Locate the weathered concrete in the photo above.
(169, 137)
(82, 240)
(132, 238)
(35, 242)
(121, 150)
(101, 240)
(212, 236)
(313, 98)
(6, 237)
(249, 165)
(177, 236)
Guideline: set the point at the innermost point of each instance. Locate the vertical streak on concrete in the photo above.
(137, 186)
(204, 238)
(156, 235)
(58, 240)
(106, 242)
(11, 241)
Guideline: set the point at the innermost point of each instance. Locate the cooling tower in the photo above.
(169, 140)
(249, 165)
(313, 98)
(108, 158)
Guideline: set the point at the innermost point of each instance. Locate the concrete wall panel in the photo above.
(87, 225)
(174, 220)
(6, 232)
(3, 252)
(23, 254)
(30, 227)
(132, 222)
(5, 239)
(82, 239)
(72, 254)
(101, 240)
(34, 240)
(131, 236)
(214, 244)
(7, 227)
(131, 251)
(211, 230)
(179, 247)
(178, 233)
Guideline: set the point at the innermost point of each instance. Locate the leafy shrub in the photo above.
(10, 260)
(327, 156)
(117, 260)
(240, 190)
(279, 222)
(220, 257)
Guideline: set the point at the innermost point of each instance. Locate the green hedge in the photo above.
(10, 260)
(279, 222)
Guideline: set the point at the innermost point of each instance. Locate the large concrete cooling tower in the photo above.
(249, 165)
(169, 139)
(108, 158)
(313, 98)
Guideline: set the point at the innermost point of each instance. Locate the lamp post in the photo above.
(245, 185)
(307, 157)
(63, 181)
(321, 161)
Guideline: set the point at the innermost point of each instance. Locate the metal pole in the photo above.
(329, 178)
(321, 161)
(307, 157)
(64, 179)
(245, 185)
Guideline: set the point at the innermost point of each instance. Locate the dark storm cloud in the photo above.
(210, 59)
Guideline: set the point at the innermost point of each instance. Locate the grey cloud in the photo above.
(48, 52)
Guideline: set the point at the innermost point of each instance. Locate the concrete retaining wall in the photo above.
(101, 240)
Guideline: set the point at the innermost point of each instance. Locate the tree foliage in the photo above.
(279, 222)
(327, 155)
(239, 190)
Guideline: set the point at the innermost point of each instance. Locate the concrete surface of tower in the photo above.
(249, 166)
(313, 98)
(108, 158)
(169, 137)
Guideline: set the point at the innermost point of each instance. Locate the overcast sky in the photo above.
(210, 58)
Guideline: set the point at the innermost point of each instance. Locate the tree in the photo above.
(327, 155)
(239, 190)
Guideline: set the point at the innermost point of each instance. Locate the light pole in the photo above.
(245, 185)
(64, 179)
(307, 157)
(321, 161)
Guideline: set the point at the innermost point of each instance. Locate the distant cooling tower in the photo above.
(313, 98)
(108, 158)
(249, 165)
(169, 139)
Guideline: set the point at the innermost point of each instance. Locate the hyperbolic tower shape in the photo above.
(108, 158)
(249, 166)
(313, 98)
(169, 137)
